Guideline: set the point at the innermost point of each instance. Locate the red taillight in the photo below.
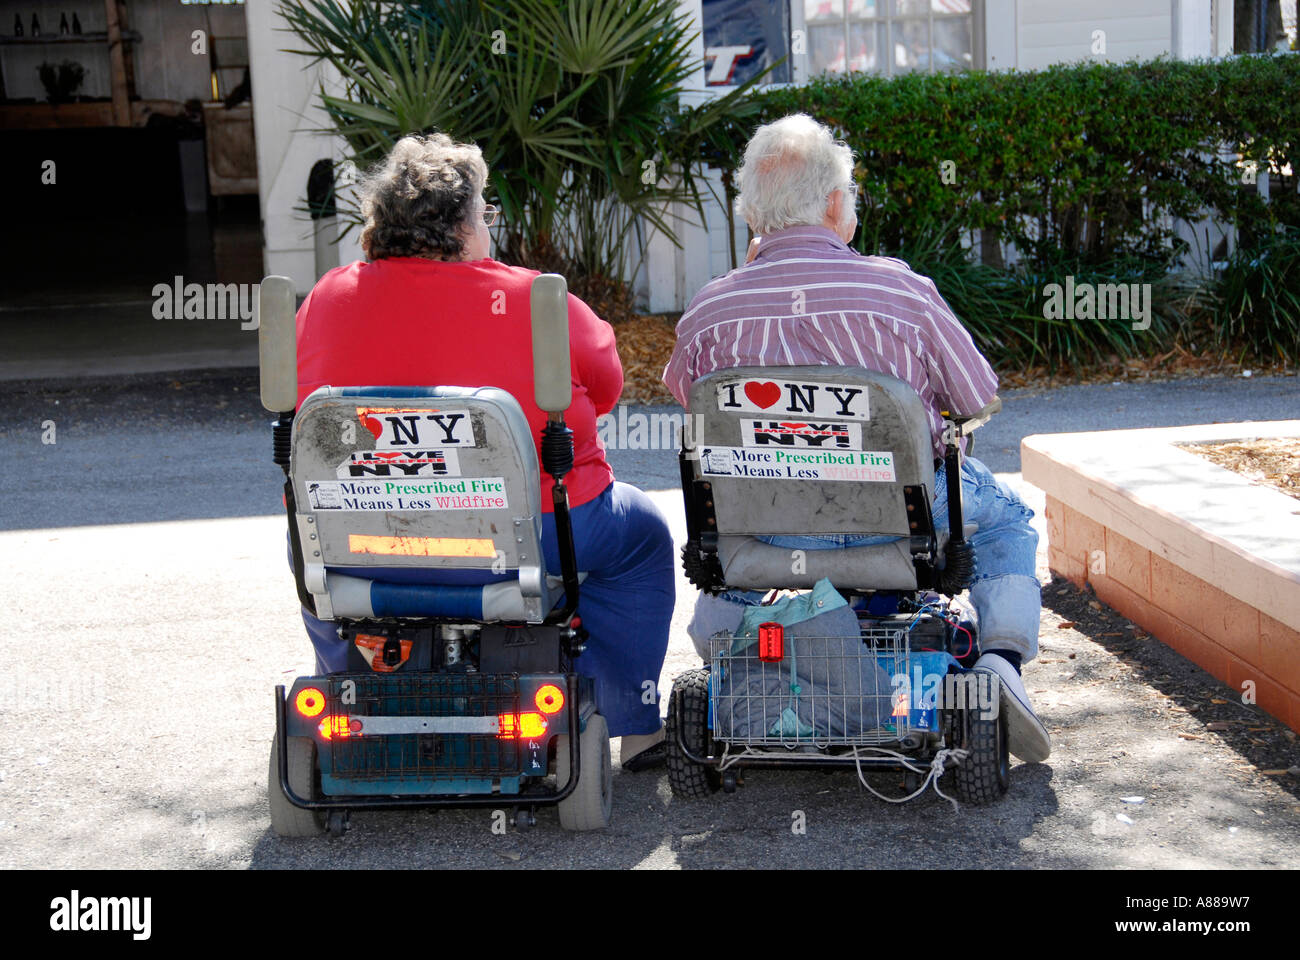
(310, 701)
(334, 725)
(771, 642)
(526, 726)
(549, 699)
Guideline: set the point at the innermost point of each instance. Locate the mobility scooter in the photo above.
(415, 526)
(826, 451)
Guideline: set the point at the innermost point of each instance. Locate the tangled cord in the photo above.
(932, 773)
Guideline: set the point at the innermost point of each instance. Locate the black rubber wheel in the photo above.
(688, 718)
(984, 776)
(286, 819)
(336, 822)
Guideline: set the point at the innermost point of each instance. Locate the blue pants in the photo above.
(1005, 590)
(625, 602)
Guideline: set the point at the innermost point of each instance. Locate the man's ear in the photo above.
(834, 208)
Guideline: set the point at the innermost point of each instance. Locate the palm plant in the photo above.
(573, 102)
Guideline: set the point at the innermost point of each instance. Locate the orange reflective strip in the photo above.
(362, 411)
(421, 546)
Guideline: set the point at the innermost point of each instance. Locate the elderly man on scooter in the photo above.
(804, 297)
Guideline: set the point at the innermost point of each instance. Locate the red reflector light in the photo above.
(771, 642)
(310, 701)
(334, 725)
(900, 703)
(549, 699)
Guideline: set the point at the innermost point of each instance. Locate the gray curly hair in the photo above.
(419, 200)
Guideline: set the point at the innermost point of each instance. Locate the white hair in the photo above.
(790, 168)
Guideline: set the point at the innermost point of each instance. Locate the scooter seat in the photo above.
(750, 564)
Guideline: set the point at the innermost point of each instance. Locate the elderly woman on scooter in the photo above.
(429, 305)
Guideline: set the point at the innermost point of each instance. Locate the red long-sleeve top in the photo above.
(408, 321)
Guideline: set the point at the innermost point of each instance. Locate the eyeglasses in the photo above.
(490, 213)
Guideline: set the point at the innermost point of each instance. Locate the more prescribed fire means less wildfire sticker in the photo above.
(779, 463)
(477, 493)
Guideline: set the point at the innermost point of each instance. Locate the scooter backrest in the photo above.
(809, 450)
(435, 478)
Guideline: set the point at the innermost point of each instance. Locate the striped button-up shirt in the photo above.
(807, 298)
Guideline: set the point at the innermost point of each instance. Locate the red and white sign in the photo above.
(784, 398)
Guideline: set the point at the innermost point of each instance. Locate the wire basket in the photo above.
(823, 692)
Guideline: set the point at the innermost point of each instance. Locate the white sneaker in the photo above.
(641, 751)
(1027, 738)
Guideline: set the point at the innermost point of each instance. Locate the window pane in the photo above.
(826, 49)
(863, 8)
(862, 48)
(910, 44)
(952, 44)
(914, 7)
(823, 10)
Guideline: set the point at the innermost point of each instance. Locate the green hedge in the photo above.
(1082, 168)
(1060, 161)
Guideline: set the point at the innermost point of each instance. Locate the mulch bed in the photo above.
(644, 345)
(1274, 461)
(646, 342)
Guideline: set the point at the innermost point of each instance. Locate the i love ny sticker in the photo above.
(785, 397)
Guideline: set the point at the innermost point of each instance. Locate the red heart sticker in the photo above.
(762, 394)
(793, 426)
(373, 425)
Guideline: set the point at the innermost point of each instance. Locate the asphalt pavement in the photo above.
(151, 614)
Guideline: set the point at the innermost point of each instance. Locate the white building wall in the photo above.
(1065, 31)
(285, 114)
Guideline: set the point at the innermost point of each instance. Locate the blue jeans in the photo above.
(1005, 590)
(625, 602)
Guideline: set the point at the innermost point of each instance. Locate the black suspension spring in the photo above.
(282, 440)
(958, 569)
(557, 449)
